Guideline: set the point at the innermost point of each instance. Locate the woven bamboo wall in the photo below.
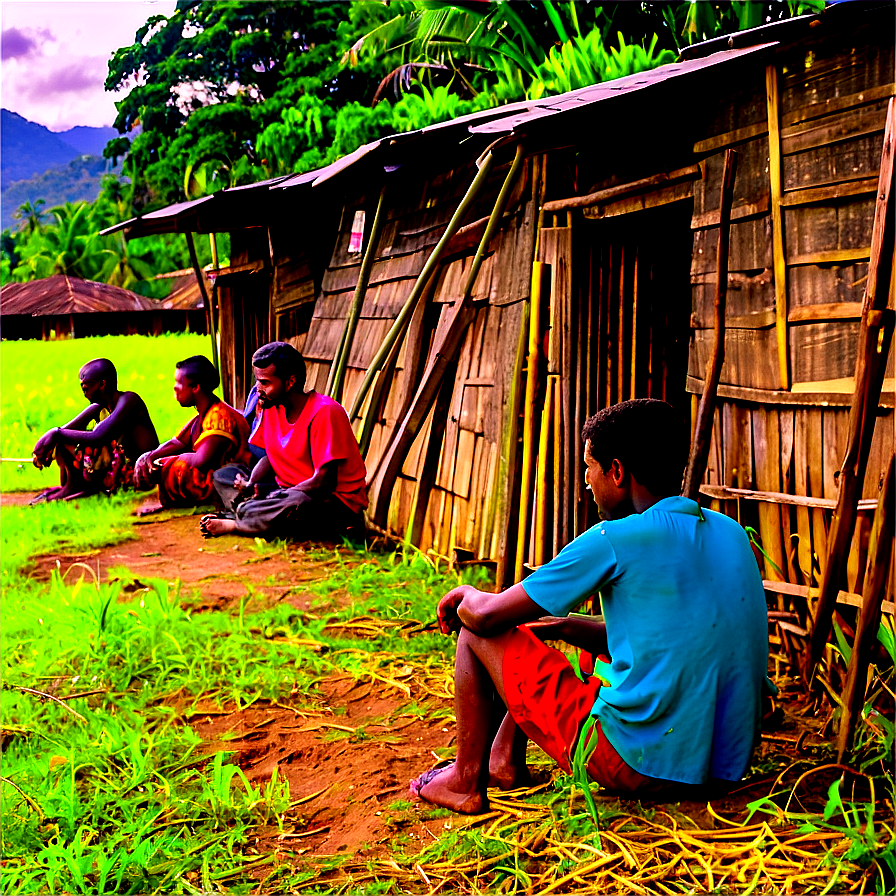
(458, 456)
(796, 281)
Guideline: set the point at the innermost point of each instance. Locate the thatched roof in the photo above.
(61, 294)
(185, 293)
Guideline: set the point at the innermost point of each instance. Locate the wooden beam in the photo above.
(705, 413)
(874, 589)
(837, 104)
(844, 598)
(691, 172)
(825, 311)
(778, 258)
(874, 344)
(829, 192)
(738, 135)
(803, 394)
(831, 256)
(727, 492)
(209, 312)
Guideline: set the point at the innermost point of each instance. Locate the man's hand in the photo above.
(143, 470)
(44, 448)
(549, 628)
(447, 612)
(243, 485)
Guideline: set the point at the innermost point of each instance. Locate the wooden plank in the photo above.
(739, 135)
(823, 352)
(853, 160)
(833, 129)
(820, 398)
(826, 311)
(845, 598)
(793, 198)
(629, 204)
(766, 460)
(689, 172)
(779, 264)
(815, 484)
(463, 463)
(831, 256)
(837, 104)
(800, 487)
(739, 212)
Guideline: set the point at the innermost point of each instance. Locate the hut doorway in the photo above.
(632, 317)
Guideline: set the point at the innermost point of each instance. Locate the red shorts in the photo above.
(551, 705)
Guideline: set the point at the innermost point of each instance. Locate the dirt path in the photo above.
(347, 760)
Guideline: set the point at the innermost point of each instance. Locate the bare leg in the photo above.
(507, 760)
(74, 485)
(478, 675)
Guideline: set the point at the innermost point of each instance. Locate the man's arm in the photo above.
(323, 482)
(260, 472)
(105, 430)
(486, 614)
(585, 632)
(48, 440)
(144, 464)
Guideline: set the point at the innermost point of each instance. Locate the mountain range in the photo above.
(36, 163)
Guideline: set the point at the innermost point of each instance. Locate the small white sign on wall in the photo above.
(357, 237)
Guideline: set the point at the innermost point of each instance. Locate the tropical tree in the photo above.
(30, 215)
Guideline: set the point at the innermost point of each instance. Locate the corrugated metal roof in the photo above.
(606, 90)
(506, 120)
(62, 294)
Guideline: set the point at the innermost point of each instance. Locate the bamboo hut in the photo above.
(62, 307)
(473, 291)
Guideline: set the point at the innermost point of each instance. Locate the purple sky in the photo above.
(54, 56)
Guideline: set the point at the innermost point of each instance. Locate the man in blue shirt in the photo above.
(682, 652)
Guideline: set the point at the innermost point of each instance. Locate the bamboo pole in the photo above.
(706, 410)
(533, 361)
(404, 316)
(778, 258)
(541, 474)
(880, 555)
(443, 354)
(557, 448)
(874, 344)
(209, 313)
(340, 360)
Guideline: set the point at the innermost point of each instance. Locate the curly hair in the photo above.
(285, 359)
(645, 435)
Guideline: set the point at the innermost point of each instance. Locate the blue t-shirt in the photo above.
(687, 632)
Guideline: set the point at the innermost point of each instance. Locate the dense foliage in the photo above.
(225, 93)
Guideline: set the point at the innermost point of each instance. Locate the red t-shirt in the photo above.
(322, 433)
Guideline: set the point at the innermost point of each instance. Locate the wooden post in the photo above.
(404, 316)
(337, 370)
(200, 279)
(530, 421)
(778, 258)
(706, 410)
(874, 344)
(443, 355)
(880, 555)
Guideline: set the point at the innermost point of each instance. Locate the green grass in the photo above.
(39, 389)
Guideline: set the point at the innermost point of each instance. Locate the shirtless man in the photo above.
(681, 654)
(98, 459)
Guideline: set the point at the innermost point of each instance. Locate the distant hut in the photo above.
(185, 301)
(61, 306)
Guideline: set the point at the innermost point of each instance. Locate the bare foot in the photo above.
(443, 787)
(509, 777)
(148, 508)
(211, 526)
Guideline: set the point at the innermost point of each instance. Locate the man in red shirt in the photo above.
(319, 486)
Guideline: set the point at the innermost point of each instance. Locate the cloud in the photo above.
(67, 76)
(20, 43)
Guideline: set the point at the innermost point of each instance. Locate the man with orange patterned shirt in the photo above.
(183, 467)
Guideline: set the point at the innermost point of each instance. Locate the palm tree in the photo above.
(30, 215)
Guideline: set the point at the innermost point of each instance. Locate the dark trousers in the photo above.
(284, 512)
